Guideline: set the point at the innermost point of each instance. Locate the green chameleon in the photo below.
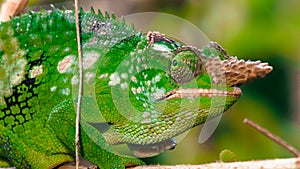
(139, 89)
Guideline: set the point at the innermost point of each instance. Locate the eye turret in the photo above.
(185, 60)
(185, 65)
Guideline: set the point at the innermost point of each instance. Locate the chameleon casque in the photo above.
(139, 89)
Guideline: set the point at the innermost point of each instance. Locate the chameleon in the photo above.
(139, 89)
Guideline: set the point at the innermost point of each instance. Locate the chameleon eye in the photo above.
(174, 62)
(186, 65)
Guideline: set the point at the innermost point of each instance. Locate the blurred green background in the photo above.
(267, 30)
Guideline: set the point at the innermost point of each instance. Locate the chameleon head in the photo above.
(177, 89)
(196, 82)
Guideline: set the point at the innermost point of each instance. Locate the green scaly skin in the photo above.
(130, 85)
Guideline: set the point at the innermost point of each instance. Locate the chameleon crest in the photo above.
(140, 90)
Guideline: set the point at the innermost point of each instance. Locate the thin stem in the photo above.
(80, 84)
(271, 136)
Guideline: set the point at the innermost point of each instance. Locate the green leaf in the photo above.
(227, 156)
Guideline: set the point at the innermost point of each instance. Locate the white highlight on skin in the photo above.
(67, 49)
(66, 91)
(74, 80)
(137, 68)
(37, 70)
(139, 90)
(124, 85)
(158, 93)
(133, 89)
(65, 79)
(103, 76)
(89, 76)
(12, 66)
(89, 59)
(124, 76)
(65, 64)
(156, 79)
(133, 79)
(53, 88)
(145, 105)
(114, 79)
(131, 69)
(18, 74)
(148, 83)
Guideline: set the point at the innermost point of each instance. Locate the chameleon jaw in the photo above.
(195, 92)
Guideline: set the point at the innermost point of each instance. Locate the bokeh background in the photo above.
(267, 30)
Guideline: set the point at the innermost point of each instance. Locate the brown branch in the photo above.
(271, 136)
(78, 109)
(288, 163)
(12, 8)
(285, 163)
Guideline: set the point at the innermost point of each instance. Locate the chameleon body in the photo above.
(141, 90)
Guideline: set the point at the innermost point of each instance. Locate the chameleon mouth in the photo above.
(194, 93)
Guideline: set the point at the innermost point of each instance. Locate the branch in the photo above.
(271, 136)
(78, 109)
(12, 8)
(288, 163)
